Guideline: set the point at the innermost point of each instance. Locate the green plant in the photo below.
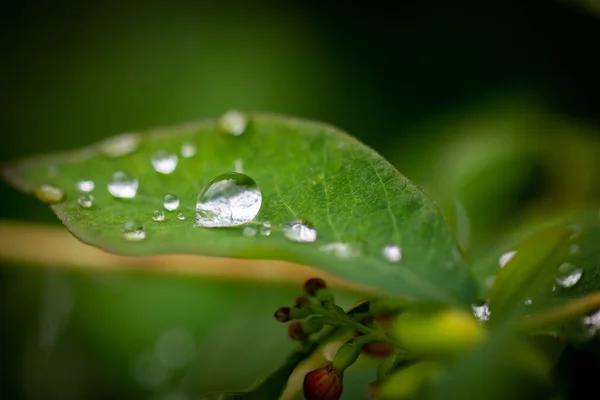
(262, 187)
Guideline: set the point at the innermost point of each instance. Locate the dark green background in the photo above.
(427, 84)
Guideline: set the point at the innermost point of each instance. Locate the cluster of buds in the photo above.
(305, 320)
(311, 312)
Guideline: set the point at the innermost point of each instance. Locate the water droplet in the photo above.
(249, 231)
(188, 150)
(238, 166)
(171, 202)
(343, 251)
(230, 199)
(86, 200)
(49, 194)
(164, 162)
(123, 186)
(233, 122)
(568, 275)
(481, 312)
(175, 348)
(505, 258)
(298, 231)
(85, 186)
(133, 231)
(528, 302)
(574, 249)
(265, 228)
(392, 253)
(592, 323)
(121, 145)
(181, 217)
(158, 215)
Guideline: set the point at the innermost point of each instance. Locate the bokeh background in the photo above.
(491, 107)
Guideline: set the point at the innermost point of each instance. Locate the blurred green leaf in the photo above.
(355, 200)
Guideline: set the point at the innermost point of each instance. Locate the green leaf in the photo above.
(305, 170)
(555, 271)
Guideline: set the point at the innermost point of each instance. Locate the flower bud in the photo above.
(346, 355)
(296, 332)
(311, 325)
(324, 296)
(313, 285)
(282, 314)
(302, 301)
(323, 384)
(448, 332)
(378, 349)
(297, 312)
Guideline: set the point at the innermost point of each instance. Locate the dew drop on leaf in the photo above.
(123, 186)
(181, 217)
(481, 312)
(230, 199)
(170, 202)
(300, 232)
(233, 122)
(505, 258)
(158, 215)
(392, 253)
(121, 145)
(49, 194)
(265, 228)
(164, 162)
(188, 150)
(568, 275)
(528, 302)
(133, 231)
(249, 231)
(85, 186)
(343, 251)
(86, 200)
(574, 249)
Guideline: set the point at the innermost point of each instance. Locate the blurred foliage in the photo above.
(489, 106)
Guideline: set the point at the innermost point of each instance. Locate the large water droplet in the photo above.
(158, 215)
(298, 231)
(249, 231)
(568, 275)
(591, 323)
(188, 150)
(49, 194)
(121, 145)
(392, 253)
(123, 186)
(344, 251)
(164, 162)
(230, 199)
(86, 200)
(133, 231)
(233, 122)
(481, 312)
(85, 186)
(171, 202)
(265, 228)
(505, 258)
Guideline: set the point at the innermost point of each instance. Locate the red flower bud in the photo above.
(323, 384)
(313, 285)
(296, 332)
(378, 349)
(302, 300)
(282, 314)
